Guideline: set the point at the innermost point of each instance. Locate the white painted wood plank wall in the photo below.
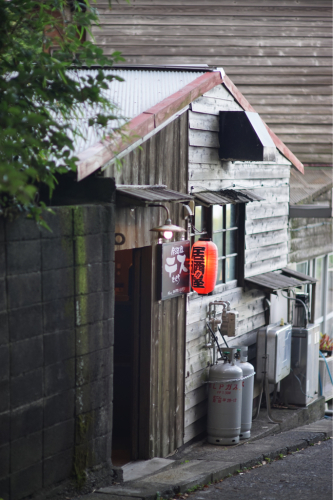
(266, 246)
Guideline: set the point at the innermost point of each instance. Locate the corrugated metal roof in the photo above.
(140, 90)
(225, 196)
(279, 280)
(145, 195)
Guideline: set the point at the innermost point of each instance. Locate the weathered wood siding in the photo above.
(309, 238)
(162, 159)
(266, 246)
(277, 53)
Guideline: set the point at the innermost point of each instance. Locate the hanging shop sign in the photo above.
(204, 260)
(175, 269)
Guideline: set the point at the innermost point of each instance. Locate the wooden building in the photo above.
(172, 157)
(311, 236)
(279, 54)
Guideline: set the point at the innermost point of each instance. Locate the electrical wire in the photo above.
(300, 384)
(303, 304)
(215, 339)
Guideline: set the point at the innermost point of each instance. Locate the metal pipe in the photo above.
(303, 304)
(215, 339)
(162, 206)
(189, 211)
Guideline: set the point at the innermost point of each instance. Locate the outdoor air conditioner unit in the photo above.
(301, 386)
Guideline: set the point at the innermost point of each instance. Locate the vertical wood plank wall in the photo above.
(266, 247)
(163, 159)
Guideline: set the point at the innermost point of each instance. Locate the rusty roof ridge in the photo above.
(99, 154)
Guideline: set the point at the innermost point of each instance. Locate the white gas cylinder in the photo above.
(247, 393)
(224, 402)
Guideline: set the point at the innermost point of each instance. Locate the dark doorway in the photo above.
(131, 355)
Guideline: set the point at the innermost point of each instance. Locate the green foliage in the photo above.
(39, 97)
(194, 488)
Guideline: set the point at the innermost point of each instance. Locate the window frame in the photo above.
(206, 230)
(312, 265)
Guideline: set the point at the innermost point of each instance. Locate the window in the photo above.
(221, 223)
(322, 269)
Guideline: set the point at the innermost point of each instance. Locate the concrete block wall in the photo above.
(56, 348)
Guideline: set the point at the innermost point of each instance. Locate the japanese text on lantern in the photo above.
(198, 267)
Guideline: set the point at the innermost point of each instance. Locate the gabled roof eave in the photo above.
(102, 152)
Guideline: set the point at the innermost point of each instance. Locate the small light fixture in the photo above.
(168, 229)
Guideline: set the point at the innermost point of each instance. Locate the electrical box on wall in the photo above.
(229, 323)
(273, 341)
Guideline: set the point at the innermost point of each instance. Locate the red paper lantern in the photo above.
(204, 256)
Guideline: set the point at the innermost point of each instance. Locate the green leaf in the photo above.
(39, 103)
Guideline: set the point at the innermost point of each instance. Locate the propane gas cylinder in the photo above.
(247, 393)
(224, 401)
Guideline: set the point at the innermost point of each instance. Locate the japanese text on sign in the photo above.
(175, 269)
(223, 392)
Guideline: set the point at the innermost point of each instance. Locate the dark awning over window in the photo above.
(145, 195)
(225, 196)
(284, 279)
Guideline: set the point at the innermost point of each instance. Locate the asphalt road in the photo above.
(304, 475)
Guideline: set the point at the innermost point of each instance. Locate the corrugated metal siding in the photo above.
(139, 91)
(277, 53)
